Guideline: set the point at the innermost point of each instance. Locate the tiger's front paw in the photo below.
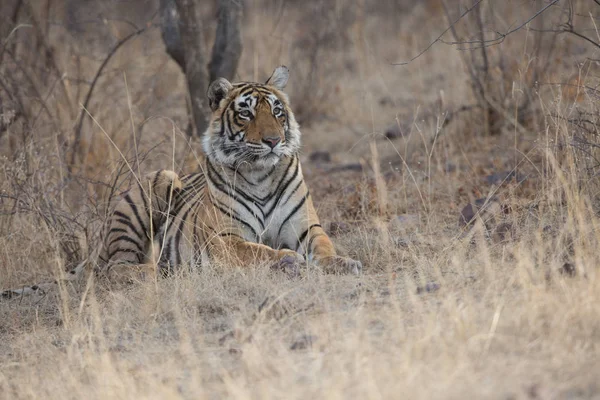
(289, 263)
(340, 265)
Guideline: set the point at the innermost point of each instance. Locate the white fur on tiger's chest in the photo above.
(275, 219)
(277, 235)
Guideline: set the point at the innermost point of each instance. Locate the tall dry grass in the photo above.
(507, 307)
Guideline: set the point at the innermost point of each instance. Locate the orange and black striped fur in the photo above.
(248, 202)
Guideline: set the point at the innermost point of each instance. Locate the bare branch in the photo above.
(169, 26)
(467, 11)
(500, 37)
(111, 53)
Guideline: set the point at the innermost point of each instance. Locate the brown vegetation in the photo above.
(465, 181)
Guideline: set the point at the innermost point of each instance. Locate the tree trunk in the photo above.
(195, 60)
(228, 41)
(181, 31)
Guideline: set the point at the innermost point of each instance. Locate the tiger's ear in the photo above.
(279, 77)
(217, 91)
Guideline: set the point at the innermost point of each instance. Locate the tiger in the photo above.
(246, 204)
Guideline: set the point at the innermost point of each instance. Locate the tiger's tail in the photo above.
(43, 288)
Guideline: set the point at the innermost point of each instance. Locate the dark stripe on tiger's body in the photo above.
(178, 235)
(311, 240)
(305, 233)
(293, 212)
(134, 208)
(281, 190)
(294, 191)
(127, 239)
(143, 196)
(113, 230)
(127, 222)
(117, 251)
(260, 220)
(244, 223)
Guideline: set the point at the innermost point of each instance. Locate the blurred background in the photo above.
(405, 106)
(452, 146)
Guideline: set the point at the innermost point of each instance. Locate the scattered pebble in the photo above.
(338, 228)
(429, 287)
(303, 342)
(498, 178)
(568, 269)
(320, 156)
(393, 132)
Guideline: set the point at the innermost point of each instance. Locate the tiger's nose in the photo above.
(272, 141)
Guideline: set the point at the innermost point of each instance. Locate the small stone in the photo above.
(346, 167)
(429, 287)
(386, 101)
(401, 242)
(320, 156)
(498, 178)
(338, 228)
(568, 269)
(303, 342)
(504, 232)
(393, 132)
(466, 215)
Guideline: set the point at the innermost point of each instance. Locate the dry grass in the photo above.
(440, 311)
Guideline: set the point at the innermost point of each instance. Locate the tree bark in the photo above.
(195, 61)
(169, 21)
(181, 31)
(228, 41)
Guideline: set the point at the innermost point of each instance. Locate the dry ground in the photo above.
(506, 309)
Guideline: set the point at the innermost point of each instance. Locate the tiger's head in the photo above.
(252, 125)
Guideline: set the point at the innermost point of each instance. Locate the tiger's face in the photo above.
(252, 125)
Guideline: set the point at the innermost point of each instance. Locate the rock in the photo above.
(386, 101)
(303, 342)
(338, 228)
(429, 287)
(568, 269)
(481, 206)
(320, 156)
(393, 132)
(467, 214)
(401, 241)
(346, 167)
(503, 177)
(504, 232)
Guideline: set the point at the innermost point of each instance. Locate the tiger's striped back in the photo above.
(138, 216)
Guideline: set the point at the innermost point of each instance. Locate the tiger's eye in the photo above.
(277, 112)
(246, 114)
